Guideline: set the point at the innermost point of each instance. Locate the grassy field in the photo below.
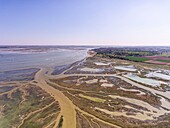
(140, 59)
(42, 118)
(16, 109)
(163, 60)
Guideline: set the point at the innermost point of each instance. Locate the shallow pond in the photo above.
(91, 69)
(158, 75)
(146, 81)
(126, 68)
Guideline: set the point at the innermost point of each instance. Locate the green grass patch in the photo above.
(42, 118)
(168, 61)
(140, 59)
(13, 110)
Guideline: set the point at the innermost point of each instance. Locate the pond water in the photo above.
(158, 75)
(146, 81)
(126, 68)
(101, 63)
(86, 69)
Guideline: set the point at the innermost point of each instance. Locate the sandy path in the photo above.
(23, 96)
(67, 107)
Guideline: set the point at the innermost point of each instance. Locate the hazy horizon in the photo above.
(85, 22)
(81, 45)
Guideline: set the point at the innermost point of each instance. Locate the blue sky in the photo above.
(85, 22)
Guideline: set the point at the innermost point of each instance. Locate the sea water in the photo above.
(12, 60)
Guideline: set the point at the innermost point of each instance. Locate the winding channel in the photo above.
(68, 109)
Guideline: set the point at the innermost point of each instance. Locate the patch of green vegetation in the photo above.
(168, 61)
(60, 122)
(140, 59)
(142, 53)
(95, 99)
(13, 111)
(42, 118)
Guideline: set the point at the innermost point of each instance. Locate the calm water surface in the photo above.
(19, 60)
